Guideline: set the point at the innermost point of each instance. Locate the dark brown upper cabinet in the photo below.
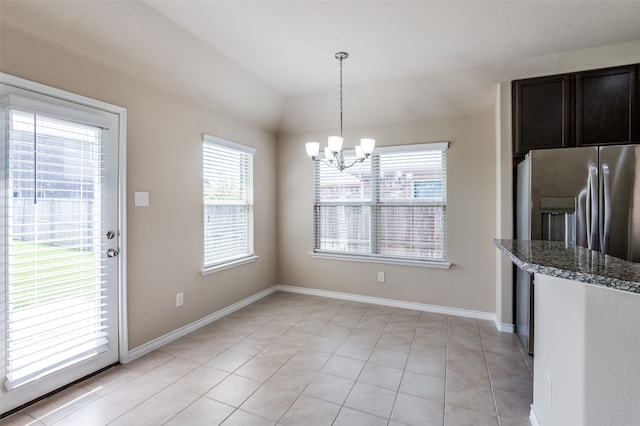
(597, 107)
(542, 113)
(606, 106)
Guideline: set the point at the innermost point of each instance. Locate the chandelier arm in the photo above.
(337, 163)
(357, 160)
(328, 163)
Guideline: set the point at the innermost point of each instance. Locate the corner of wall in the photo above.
(504, 196)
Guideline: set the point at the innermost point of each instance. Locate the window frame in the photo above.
(375, 204)
(248, 256)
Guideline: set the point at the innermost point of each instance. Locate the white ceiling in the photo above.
(291, 44)
(267, 61)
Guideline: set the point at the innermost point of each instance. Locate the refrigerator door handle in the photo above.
(591, 207)
(606, 206)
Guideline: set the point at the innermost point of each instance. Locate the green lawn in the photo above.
(41, 273)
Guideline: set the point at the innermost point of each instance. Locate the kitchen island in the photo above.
(587, 339)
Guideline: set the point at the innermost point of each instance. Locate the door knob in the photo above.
(112, 253)
(111, 235)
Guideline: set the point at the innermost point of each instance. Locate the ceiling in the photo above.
(272, 63)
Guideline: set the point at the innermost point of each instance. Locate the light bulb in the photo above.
(335, 143)
(313, 148)
(328, 154)
(367, 145)
(360, 152)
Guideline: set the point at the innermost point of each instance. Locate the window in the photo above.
(228, 203)
(393, 206)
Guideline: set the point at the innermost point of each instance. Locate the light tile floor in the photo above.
(292, 359)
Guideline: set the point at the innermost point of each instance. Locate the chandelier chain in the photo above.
(341, 96)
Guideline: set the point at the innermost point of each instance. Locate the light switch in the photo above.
(141, 199)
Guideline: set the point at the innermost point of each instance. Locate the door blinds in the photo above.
(393, 206)
(55, 305)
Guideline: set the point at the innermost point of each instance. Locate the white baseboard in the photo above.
(183, 331)
(390, 302)
(504, 327)
(533, 418)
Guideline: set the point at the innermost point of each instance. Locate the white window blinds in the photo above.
(391, 206)
(56, 312)
(228, 201)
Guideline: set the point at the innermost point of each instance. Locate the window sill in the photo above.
(373, 259)
(215, 268)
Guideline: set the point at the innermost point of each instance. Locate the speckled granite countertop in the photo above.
(557, 259)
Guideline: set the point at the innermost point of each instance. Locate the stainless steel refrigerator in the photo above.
(589, 196)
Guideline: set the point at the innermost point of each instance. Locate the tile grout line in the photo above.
(264, 382)
(493, 395)
(203, 395)
(446, 372)
(319, 370)
(403, 370)
(305, 387)
(359, 374)
(261, 350)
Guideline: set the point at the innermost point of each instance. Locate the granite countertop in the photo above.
(558, 259)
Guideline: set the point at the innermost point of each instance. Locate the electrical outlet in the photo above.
(380, 277)
(179, 299)
(549, 399)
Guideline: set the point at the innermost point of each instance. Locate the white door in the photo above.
(59, 245)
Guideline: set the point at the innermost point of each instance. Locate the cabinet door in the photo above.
(542, 113)
(606, 110)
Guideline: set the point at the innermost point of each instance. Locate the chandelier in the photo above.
(333, 154)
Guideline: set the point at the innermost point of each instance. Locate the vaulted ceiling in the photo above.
(272, 63)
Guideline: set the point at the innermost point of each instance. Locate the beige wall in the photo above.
(471, 189)
(164, 145)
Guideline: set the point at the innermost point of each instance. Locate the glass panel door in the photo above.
(60, 237)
